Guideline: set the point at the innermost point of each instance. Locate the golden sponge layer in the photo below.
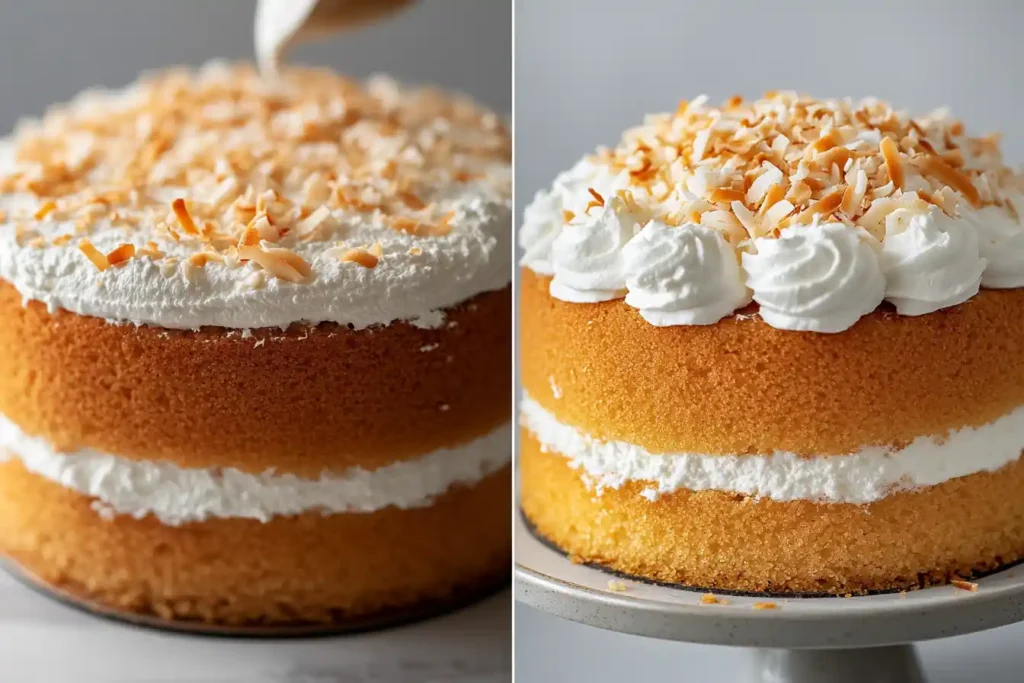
(723, 541)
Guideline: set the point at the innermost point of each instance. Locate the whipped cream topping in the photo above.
(1001, 243)
(177, 495)
(930, 261)
(866, 476)
(568, 196)
(805, 191)
(588, 258)
(270, 204)
(821, 278)
(688, 275)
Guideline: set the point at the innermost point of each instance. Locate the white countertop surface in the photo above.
(553, 649)
(43, 641)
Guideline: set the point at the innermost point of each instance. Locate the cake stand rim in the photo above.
(574, 592)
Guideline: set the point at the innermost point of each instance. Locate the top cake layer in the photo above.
(818, 210)
(219, 198)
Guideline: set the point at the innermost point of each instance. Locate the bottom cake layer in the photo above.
(724, 541)
(302, 569)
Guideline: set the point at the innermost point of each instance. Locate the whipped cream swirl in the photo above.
(818, 278)
(541, 222)
(1001, 244)
(587, 255)
(688, 275)
(545, 215)
(930, 261)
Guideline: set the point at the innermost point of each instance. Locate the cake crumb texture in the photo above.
(720, 541)
(742, 387)
(307, 568)
(303, 401)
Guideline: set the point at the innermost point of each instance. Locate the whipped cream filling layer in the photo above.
(866, 476)
(177, 495)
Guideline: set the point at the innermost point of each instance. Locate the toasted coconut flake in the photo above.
(765, 605)
(412, 201)
(93, 254)
(281, 263)
(313, 221)
(969, 586)
(712, 599)
(361, 257)
(45, 210)
(746, 218)
(199, 259)
(617, 586)
(776, 193)
(121, 255)
(780, 210)
(823, 208)
(184, 217)
(719, 220)
(893, 165)
(725, 195)
(936, 168)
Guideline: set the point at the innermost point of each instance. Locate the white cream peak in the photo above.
(686, 275)
(930, 261)
(819, 278)
(587, 254)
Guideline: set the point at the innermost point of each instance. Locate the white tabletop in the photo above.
(42, 641)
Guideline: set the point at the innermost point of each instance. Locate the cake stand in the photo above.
(800, 640)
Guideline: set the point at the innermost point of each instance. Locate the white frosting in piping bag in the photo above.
(821, 278)
(866, 476)
(683, 276)
(176, 495)
(277, 24)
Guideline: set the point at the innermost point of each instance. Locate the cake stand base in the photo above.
(797, 640)
(342, 626)
(892, 664)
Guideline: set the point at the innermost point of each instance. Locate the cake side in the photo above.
(744, 387)
(724, 541)
(305, 568)
(303, 401)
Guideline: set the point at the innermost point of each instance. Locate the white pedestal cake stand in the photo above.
(802, 640)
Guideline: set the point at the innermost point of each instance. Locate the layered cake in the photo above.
(255, 347)
(775, 346)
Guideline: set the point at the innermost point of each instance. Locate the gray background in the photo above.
(586, 69)
(50, 49)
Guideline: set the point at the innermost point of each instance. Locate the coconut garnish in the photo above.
(240, 170)
(753, 169)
